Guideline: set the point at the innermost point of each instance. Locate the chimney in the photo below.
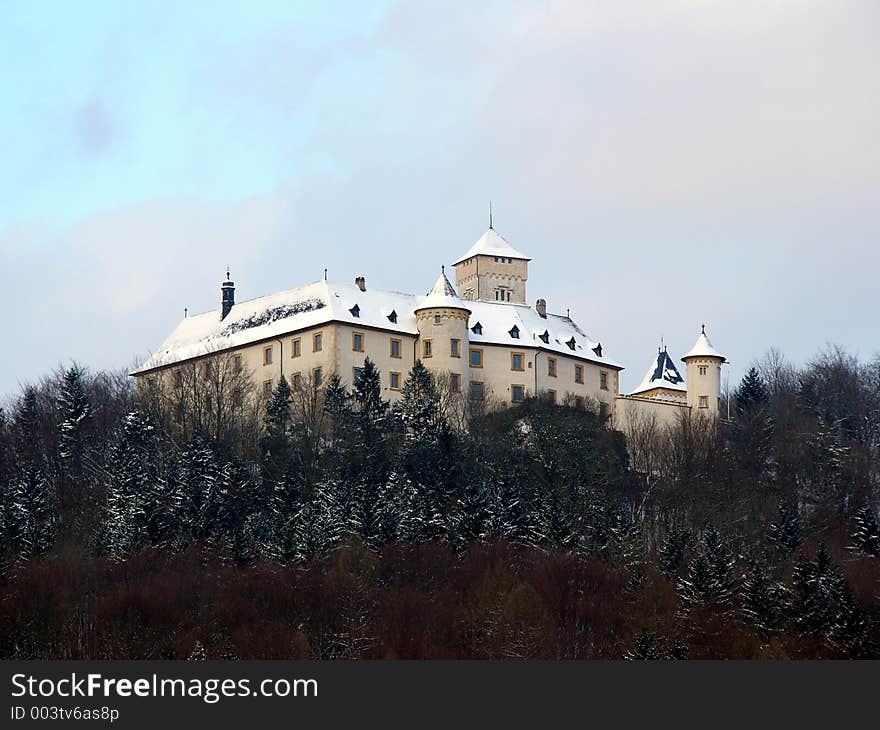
(541, 308)
(360, 282)
(227, 297)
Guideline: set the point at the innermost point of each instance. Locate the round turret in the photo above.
(442, 321)
(703, 364)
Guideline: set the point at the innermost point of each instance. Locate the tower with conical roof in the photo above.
(492, 271)
(703, 364)
(442, 322)
(662, 381)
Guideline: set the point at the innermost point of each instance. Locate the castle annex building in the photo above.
(480, 334)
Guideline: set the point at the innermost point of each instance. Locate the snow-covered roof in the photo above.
(442, 295)
(277, 315)
(703, 348)
(491, 243)
(661, 374)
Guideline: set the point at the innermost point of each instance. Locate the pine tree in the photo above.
(367, 393)
(419, 404)
(317, 526)
(763, 599)
(867, 534)
(709, 577)
(32, 512)
(471, 517)
(752, 392)
(646, 647)
(674, 548)
(75, 413)
(815, 593)
(785, 533)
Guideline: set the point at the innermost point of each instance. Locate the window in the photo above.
(151, 384)
(579, 401)
(296, 347)
(392, 317)
(236, 363)
(545, 337)
(476, 358)
(267, 355)
(317, 376)
(178, 413)
(357, 341)
(578, 373)
(395, 381)
(514, 332)
(476, 389)
(297, 380)
(207, 369)
(551, 367)
(395, 348)
(477, 329)
(437, 319)
(318, 342)
(703, 369)
(267, 387)
(517, 361)
(552, 394)
(356, 373)
(237, 399)
(456, 383)
(598, 349)
(455, 348)
(178, 377)
(704, 401)
(355, 311)
(571, 343)
(517, 393)
(426, 348)
(603, 380)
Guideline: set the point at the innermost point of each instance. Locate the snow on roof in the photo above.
(491, 244)
(661, 374)
(277, 315)
(442, 295)
(703, 348)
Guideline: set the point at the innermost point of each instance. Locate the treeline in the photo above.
(344, 527)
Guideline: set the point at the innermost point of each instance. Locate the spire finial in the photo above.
(227, 272)
(325, 274)
(443, 269)
(704, 329)
(490, 215)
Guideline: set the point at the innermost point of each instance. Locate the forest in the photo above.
(324, 523)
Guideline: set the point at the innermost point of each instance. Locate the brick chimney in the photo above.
(360, 282)
(227, 297)
(541, 308)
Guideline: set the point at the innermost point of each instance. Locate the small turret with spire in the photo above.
(227, 296)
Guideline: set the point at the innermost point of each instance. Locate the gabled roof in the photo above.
(703, 348)
(661, 374)
(491, 243)
(442, 295)
(277, 315)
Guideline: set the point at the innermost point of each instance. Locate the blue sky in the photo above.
(665, 164)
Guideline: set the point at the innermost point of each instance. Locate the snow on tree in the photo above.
(75, 412)
(674, 548)
(752, 392)
(762, 598)
(867, 534)
(709, 578)
(32, 512)
(786, 533)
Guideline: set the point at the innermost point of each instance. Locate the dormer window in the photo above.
(392, 317)
(598, 349)
(355, 311)
(545, 338)
(477, 329)
(571, 343)
(514, 332)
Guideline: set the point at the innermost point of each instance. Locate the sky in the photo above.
(665, 163)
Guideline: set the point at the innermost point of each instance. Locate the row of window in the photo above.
(517, 359)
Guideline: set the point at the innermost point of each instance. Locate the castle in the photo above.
(480, 334)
